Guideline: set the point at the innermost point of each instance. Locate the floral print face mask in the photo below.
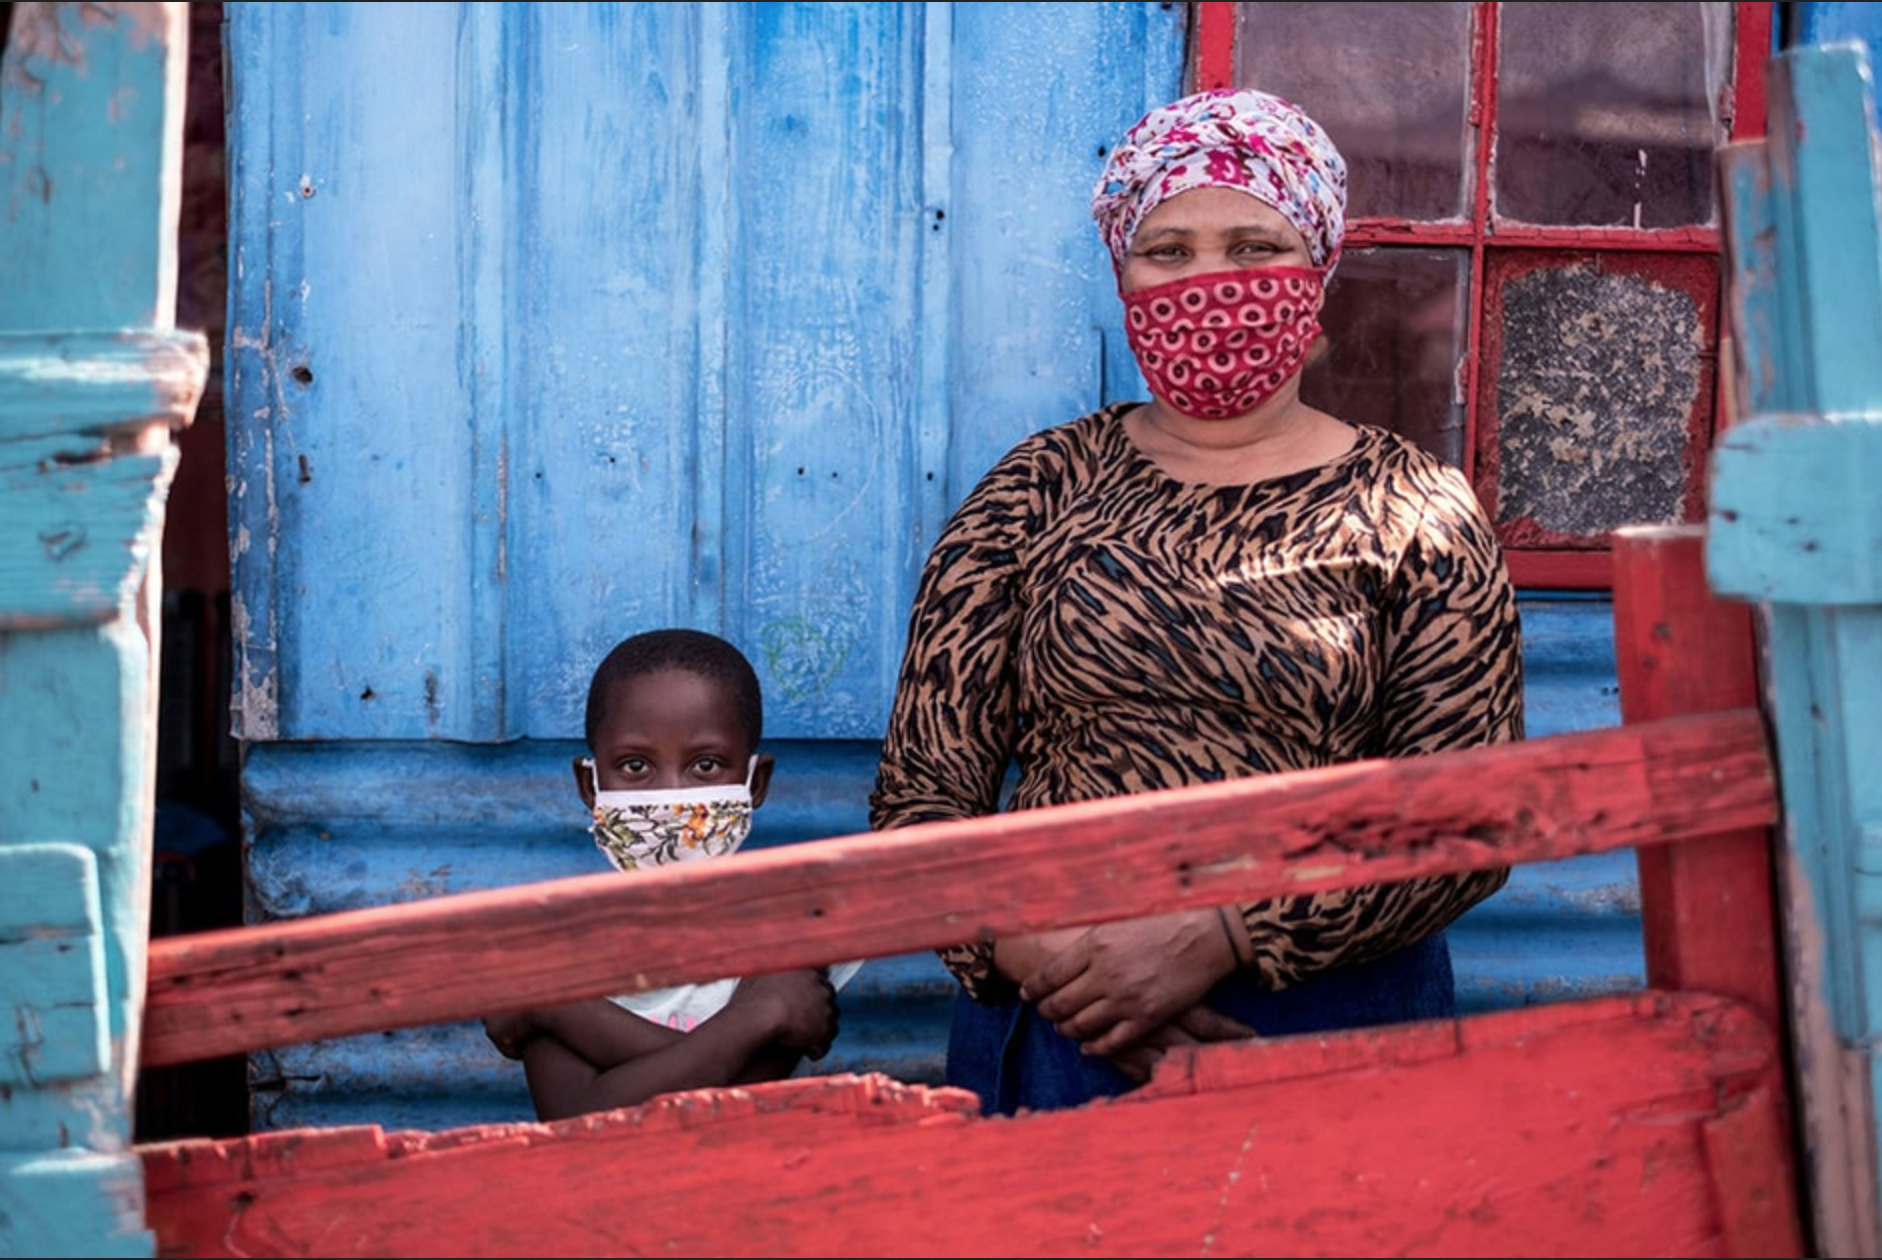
(639, 830)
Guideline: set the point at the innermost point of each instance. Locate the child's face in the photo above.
(667, 730)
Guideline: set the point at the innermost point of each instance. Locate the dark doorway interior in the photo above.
(197, 877)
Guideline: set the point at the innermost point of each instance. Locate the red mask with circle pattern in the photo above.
(1218, 346)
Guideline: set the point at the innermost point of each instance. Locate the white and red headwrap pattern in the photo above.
(1226, 138)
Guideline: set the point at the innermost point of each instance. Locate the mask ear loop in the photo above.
(751, 769)
(594, 780)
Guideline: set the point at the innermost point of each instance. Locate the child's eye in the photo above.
(709, 765)
(633, 765)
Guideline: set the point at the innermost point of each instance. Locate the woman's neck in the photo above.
(1282, 436)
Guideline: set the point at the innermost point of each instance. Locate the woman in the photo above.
(1219, 582)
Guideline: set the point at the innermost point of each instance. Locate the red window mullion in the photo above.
(1483, 118)
(1752, 28)
(1214, 65)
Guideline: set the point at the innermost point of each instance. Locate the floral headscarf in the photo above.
(1226, 138)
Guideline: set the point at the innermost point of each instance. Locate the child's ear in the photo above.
(585, 782)
(760, 779)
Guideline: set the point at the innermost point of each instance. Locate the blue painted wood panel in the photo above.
(93, 378)
(1796, 527)
(678, 314)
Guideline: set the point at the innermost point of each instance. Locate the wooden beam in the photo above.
(1625, 1126)
(1708, 912)
(871, 895)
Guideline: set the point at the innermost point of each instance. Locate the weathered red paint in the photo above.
(1215, 45)
(1584, 570)
(1647, 1124)
(1379, 230)
(1623, 1126)
(1709, 912)
(873, 895)
(1754, 48)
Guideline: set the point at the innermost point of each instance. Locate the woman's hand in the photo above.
(1114, 985)
(1194, 1026)
(1017, 957)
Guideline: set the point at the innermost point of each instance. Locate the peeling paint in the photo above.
(39, 37)
(255, 703)
(62, 540)
(1599, 377)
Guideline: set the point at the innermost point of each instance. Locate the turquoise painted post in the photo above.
(93, 380)
(1796, 525)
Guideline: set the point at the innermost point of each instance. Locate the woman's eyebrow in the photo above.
(1263, 230)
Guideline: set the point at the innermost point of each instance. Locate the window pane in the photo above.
(1601, 387)
(1389, 82)
(1395, 318)
(1606, 113)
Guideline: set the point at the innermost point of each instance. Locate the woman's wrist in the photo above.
(1241, 950)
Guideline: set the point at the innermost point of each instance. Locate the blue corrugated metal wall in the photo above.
(550, 323)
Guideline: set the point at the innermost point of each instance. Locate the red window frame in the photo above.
(1534, 562)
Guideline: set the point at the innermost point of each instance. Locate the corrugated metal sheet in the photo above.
(551, 323)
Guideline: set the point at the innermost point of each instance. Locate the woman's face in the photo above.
(1207, 230)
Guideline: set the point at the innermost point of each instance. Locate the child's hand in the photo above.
(802, 1005)
(510, 1033)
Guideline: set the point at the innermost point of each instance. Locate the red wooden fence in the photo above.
(1656, 1123)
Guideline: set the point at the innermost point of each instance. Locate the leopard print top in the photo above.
(1114, 630)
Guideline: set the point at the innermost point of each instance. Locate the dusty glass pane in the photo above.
(1607, 113)
(1395, 320)
(1389, 82)
(1596, 386)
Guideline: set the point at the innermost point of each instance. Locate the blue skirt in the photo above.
(1013, 1058)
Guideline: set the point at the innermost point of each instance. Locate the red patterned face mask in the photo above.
(1218, 346)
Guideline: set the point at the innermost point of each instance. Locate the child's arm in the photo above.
(604, 1034)
(608, 1062)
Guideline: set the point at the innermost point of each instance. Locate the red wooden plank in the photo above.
(1215, 45)
(1591, 570)
(1752, 52)
(1372, 230)
(1624, 1126)
(1708, 911)
(1754, 1176)
(868, 896)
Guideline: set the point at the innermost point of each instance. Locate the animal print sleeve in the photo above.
(1454, 679)
(951, 728)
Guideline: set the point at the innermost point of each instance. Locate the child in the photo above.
(673, 723)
